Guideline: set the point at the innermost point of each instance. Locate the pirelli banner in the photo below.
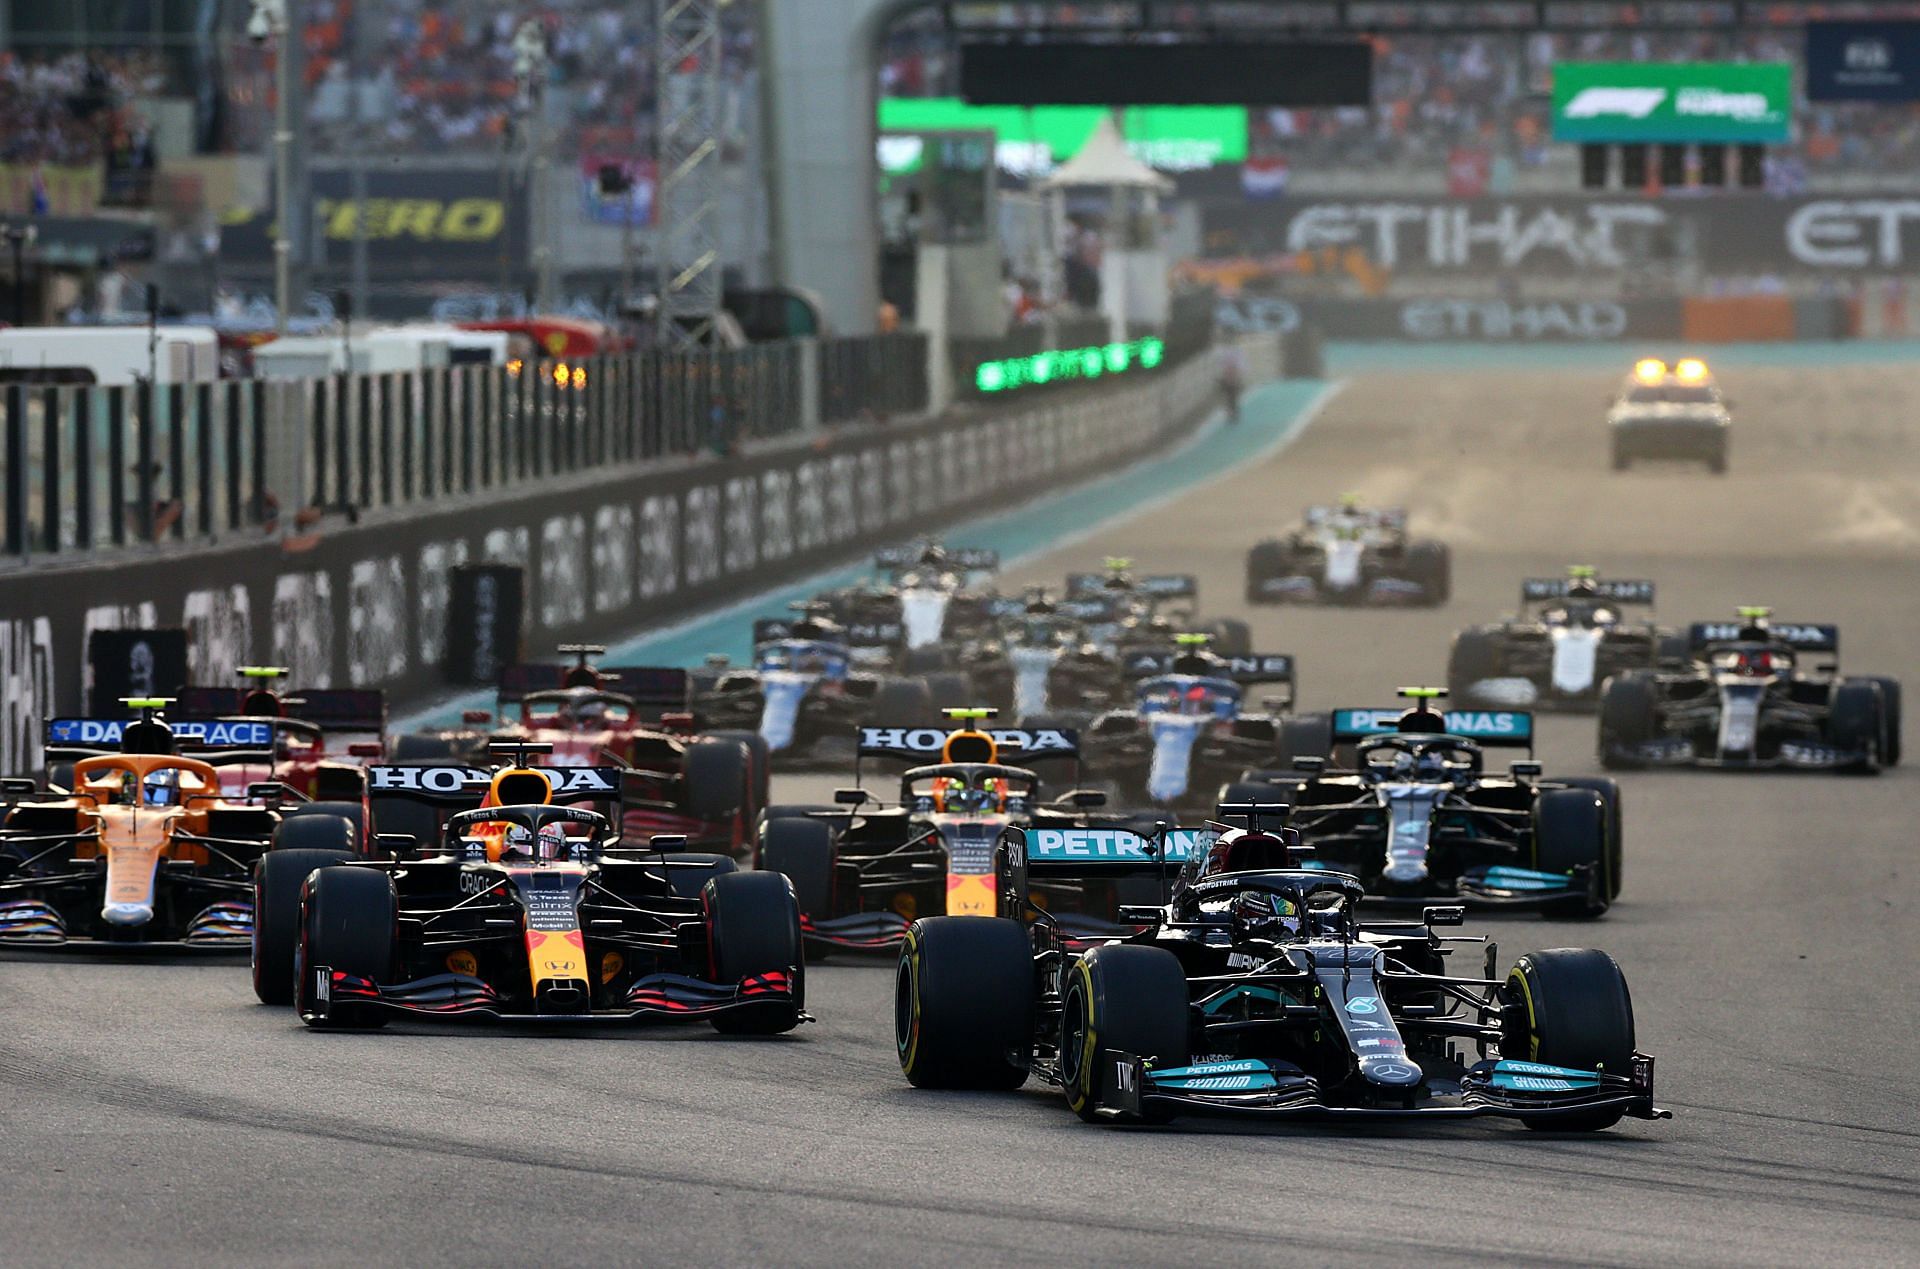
(419, 224)
(368, 606)
(1575, 234)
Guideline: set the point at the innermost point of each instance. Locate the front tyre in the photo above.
(277, 879)
(1570, 834)
(348, 922)
(963, 1003)
(753, 931)
(1570, 1007)
(1124, 998)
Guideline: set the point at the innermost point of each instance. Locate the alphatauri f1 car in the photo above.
(1569, 636)
(1748, 699)
(1255, 990)
(526, 908)
(864, 869)
(1350, 554)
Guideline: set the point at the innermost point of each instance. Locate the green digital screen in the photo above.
(1720, 103)
(1062, 364)
(1173, 138)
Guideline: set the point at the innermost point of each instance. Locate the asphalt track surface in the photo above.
(152, 1113)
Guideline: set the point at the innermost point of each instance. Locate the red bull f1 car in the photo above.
(1255, 990)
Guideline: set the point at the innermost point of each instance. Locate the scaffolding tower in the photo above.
(687, 84)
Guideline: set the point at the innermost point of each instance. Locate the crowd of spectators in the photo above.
(74, 109)
(439, 74)
(1436, 94)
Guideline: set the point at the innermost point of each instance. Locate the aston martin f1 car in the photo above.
(524, 908)
(1420, 818)
(1190, 728)
(1749, 699)
(1350, 554)
(145, 852)
(1255, 990)
(1672, 411)
(865, 868)
(1569, 636)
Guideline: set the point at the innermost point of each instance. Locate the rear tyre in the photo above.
(1569, 832)
(1626, 717)
(963, 1003)
(1266, 561)
(354, 813)
(1890, 710)
(1431, 564)
(412, 746)
(277, 879)
(1857, 718)
(753, 932)
(903, 703)
(1621, 459)
(688, 881)
(761, 763)
(1123, 997)
(1572, 1009)
(1717, 461)
(348, 918)
(1473, 658)
(718, 779)
(1612, 805)
(1232, 637)
(802, 851)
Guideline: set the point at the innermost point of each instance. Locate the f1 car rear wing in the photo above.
(1153, 585)
(1492, 728)
(330, 709)
(69, 738)
(1259, 667)
(1384, 517)
(965, 559)
(1083, 608)
(857, 634)
(655, 686)
(456, 784)
(919, 744)
(1539, 589)
(1801, 636)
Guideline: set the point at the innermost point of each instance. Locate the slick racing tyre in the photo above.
(1626, 716)
(1890, 710)
(1569, 832)
(1266, 561)
(691, 870)
(963, 1003)
(354, 813)
(762, 763)
(413, 747)
(1473, 659)
(1123, 998)
(1232, 637)
(1621, 458)
(1857, 719)
(277, 879)
(1611, 803)
(719, 779)
(753, 928)
(1569, 1007)
(802, 851)
(348, 919)
(1431, 565)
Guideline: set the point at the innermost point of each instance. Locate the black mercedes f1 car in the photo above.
(1255, 990)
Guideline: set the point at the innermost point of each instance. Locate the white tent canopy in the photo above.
(1105, 160)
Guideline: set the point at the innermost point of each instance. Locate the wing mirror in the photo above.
(1449, 914)
(1310, 766)
(1087, 799)
(365, 749)
(849, 797)
(17, 787)
(1526, 769)
(664, 842)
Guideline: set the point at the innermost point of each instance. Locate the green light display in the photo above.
(1069, 363)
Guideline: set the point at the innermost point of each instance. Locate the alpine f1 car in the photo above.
(524, 908)
(1190, 729)
(1350, 554)
(144, 851)
(1748, 699)
(1420, 818)
(1670, 412)
(864, 869)
(806, 691)
(1255, 990)
(1569, 636)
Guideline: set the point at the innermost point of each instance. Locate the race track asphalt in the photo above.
(153, 1114)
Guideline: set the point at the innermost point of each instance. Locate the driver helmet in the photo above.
(550, 842)
(161, 787)
(957, 796)
(1263, 914)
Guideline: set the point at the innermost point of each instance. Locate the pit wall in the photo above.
(366, 606)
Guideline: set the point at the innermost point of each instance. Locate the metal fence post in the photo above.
(16, 470)
(50, 469)
(177, 456)
(117, 464)
(82, 423)
(144, 460)
(203, 457)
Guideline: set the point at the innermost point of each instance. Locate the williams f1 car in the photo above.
(1350, 554)
(1420, 818)
(864, 869)
(1749, 699)
(524, 908)
(1255, 990)
(1569, 636)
